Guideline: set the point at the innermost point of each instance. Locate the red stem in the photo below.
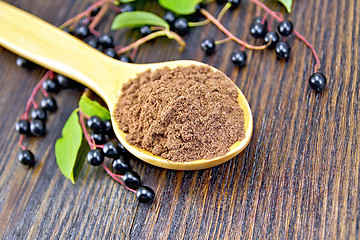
(270, 23)
(31, 100)
(116, 9)
(317, 66)
(116, 177)
(20, 142)
(268, 10)
(34, 103)
(97, 20)
(85, 13)
(133, 53)
(86, 134)
(44, 92)
(264, 18)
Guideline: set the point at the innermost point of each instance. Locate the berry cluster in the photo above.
(84, 30)
(34, 123)
(102, 133)
(260, 29)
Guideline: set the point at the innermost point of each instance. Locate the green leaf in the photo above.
(287, 4)
(138, 19)
(182, 7)
(126, 1)
(90, 108)
(67, 147)
(81, 157)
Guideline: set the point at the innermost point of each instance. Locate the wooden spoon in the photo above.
(52, 48)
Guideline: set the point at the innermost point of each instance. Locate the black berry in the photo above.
(273, 37)
(127, 8)
(124, 58)
(110, 52)
(108, 129)
(145, 194)
(81, 31)
(181, 26)
(317, 81)
(37, 128)
(285, 28)
(63, 81)
(51, 86)
(257, 20)
(121, 165)
(39, 113)
(239, 58)
(99, 138)
(234, 3)
(94, 11)
(93, 42)
(95, 157)
(131, 179)
(258, 29)
(260, 20)
(208, 46)
(26, 157)
(124, 152)
(106, 41)
(282, 50)
(23, 127)
(48, 104)
(111, 150)
(22, 62)
(169, 17)
(96, 124)
(145, 30)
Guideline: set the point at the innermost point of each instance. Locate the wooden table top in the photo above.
(298, 178)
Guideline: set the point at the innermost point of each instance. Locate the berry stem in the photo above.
(31, 101)
(134, 52)
(86, 134)
(223, 11)
(169, 34)
(229, 34)
(97, 20)
(268, 10)
(264, 18)
(44, 92)
(221, 41)
(85, 13)
(34, 103)
(116, 177)
(20, 142)
(116, 9)
(270, 23)
(317, 66)
(278, 16)
(198, 24)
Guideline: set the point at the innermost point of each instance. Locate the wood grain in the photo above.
(298, 178)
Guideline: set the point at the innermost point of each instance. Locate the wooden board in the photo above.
(298, 178)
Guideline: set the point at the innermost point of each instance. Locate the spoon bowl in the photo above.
(48, 46)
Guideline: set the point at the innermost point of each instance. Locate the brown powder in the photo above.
(182, 114)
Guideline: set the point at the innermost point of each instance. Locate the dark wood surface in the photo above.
(298, 179)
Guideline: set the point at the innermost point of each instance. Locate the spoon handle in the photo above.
(52, 48)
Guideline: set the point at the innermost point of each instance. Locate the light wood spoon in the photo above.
(52, 48)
